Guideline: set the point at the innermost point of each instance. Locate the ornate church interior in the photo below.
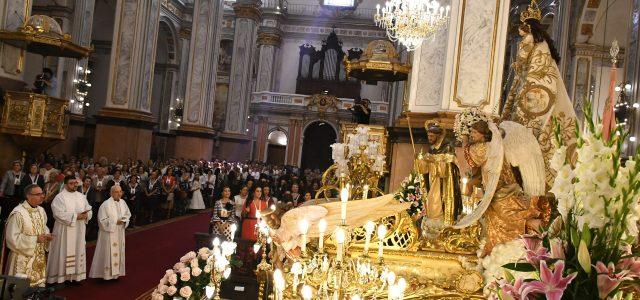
(320, 149)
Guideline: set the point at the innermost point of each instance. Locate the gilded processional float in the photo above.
(465, 199)
(518, 206)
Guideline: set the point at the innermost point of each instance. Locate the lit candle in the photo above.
(233, 228)
(465, 180)
(344, 197)
(382, 231)
(303, 225)
(296, 269)
(369, 228)
(322, 227)
(307, 293)
(278, 283)
(340, 240)
(365, 192)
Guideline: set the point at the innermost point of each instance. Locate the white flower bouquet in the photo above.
(587, 252)
(464, 120)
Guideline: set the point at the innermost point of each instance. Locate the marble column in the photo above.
(269, 40)
(294, 142)
(81, 33)
(195, 136)
(261, 138)
(248, 15)
(126, 115)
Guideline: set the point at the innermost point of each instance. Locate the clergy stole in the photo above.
(70, 260)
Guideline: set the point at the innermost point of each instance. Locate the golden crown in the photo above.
(532, 12)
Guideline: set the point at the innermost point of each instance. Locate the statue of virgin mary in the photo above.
(538, 93)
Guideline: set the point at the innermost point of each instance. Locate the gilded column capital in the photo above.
(268, 38)
(248, 11)
(185, 33)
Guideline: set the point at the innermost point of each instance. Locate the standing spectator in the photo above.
(223, 215)
(240, 200)
(10, 189)
(33, 177)
(168, 188)
(266, 190)
(153, 193)
(294, 196)
(46, 171)
(207, 183)
(89, 193)
(254, 204)
(133, 198)
(196, 198)
(100, 183)
(117, 179)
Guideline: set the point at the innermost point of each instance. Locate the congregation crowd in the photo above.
(72, 200)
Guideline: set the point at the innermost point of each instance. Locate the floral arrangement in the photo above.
(586, 253)
(190, 278)
(464, 120)
(410, 192)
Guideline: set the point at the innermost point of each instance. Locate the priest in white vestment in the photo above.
(113, 218)
(27, 238)
(67, 252)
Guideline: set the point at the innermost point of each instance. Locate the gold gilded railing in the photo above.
(33, 115)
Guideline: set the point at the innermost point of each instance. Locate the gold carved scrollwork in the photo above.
(34, 115)
(265, 38)
(323, 103)
(248, 12)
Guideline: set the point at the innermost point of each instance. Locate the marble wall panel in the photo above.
(476, 54)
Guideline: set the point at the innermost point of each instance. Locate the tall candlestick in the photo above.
(369, 228)
(344, 197)
(340, 240)
(322, 227)
(365, 192)
(382, 231)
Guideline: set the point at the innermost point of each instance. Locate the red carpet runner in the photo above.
(149, 253)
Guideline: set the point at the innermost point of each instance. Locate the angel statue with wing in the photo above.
(507, 164)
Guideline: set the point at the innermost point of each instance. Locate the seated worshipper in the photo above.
(133, 197)
(224, 215)
(28, 237)
(197, 202)
(113, 218)
(67, 253)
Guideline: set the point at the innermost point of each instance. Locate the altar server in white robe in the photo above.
(67, 252)
(27, 237)
(113, 218)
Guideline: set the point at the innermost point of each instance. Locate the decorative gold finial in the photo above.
(532, 12)
(615, 49)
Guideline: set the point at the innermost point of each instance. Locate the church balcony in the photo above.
(282, 102)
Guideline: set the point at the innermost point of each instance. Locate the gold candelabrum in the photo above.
(219, 263)
(337, 273)
(359, 162)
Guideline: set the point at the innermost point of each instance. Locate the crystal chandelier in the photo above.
(411, 21)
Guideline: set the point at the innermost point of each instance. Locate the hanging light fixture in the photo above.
(411, 21)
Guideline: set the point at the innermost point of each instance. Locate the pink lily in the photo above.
(632, 264)
(608, 280)
(534, 250)
(552, 283)
(513, 291)
(557, 248)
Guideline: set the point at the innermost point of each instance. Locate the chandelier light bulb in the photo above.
(322, 226)
(627, 86)
(307, 292)
(617, 89)
(370, 227)
(382, 231)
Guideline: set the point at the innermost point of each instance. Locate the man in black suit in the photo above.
(33, 177)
